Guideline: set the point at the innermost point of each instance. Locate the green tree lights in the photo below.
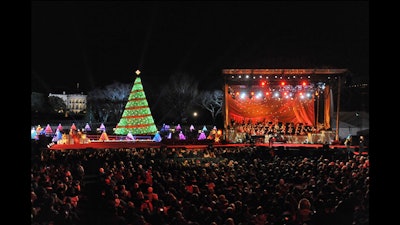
(136, 117)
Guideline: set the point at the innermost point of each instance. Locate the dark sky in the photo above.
(97, 43)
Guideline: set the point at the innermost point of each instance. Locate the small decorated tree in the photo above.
(87, 128)
(102, 128)
(157, 137)
(48, 130)
(60, 128)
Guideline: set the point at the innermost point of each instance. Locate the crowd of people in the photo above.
(213, 186)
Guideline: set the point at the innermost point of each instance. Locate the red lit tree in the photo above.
(48, 130)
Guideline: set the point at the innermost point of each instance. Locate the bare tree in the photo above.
(178, 95)
(211, 101)
(117, 94)
(97, 105)
(108, 103)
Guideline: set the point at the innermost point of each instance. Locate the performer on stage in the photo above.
(271, 140)
(349, 150)
(361, 145)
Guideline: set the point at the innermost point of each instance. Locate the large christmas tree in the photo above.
(136, 117)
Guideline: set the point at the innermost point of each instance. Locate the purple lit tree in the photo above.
(202, 136)
(102, 127)
(130, 137)
(181, 136)
(87, 127)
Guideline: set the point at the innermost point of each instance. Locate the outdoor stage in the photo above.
(121, 144)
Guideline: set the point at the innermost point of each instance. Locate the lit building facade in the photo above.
(75, 103)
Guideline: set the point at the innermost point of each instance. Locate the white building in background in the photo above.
(75, 102)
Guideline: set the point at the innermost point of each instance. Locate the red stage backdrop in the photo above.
(294, 110)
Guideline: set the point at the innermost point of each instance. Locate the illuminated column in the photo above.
(317, 116)
(225, 104)
(337, 111)
(327, 107)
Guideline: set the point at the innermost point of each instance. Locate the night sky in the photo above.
(97, 43)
